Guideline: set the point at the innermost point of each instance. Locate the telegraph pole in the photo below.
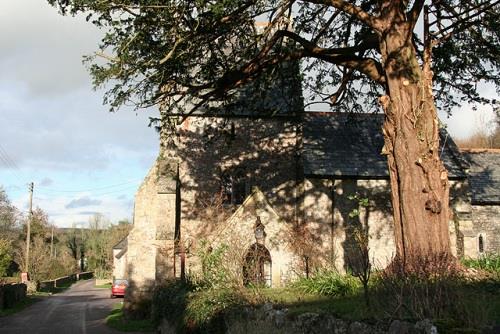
(28, 226)
(52, 243)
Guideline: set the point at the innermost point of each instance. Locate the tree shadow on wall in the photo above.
(269, 153)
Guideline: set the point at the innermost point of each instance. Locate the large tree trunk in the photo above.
(419, 181)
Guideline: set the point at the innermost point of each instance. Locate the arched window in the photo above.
(233, 186)
(481, 244)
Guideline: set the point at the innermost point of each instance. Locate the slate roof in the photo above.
(348, 145)
(121, 244)
(484, 176)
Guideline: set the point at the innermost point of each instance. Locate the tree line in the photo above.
(54, 251)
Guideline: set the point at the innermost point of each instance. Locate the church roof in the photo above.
(349, 145)
(121, 244)
(484, 175)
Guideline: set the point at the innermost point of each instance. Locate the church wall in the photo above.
(264, 153)
(334, 215)
(119, 265)
(330, 214)
(151, 235)
(487, 224)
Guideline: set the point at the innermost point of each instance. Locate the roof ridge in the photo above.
(334, 114)
(480, 150)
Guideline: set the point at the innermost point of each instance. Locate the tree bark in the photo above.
(419, 180)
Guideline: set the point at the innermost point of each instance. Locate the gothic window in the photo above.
(481, 243)
(233, 187)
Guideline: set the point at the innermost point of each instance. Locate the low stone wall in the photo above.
(277, 321)
(61, 281)
(85, 275)
(10, 294)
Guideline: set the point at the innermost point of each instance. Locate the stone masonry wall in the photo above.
(328, 207)
(262, 152)
(150, 239)
(328, 212)
(119, 265)
(486, 223)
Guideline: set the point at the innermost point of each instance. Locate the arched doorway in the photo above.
(258, 266)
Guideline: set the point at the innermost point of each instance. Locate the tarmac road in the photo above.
(80, 309)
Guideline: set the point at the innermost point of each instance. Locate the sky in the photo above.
(55, 132)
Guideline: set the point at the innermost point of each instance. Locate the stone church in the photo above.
(284, 190)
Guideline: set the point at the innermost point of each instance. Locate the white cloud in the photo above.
(42, 49)
(82, 202)
(54, 126)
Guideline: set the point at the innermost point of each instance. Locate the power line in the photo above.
(9, 163)
(45, 189)
(94, 194)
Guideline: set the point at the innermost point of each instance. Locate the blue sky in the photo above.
(54, 130)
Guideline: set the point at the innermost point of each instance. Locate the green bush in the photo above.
(191, 311)
(489, 263)
(5, 256)
(205, 309)
(214, 273)
(328, 283)
(169, 302)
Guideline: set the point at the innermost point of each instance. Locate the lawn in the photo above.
(104, 286)
(117, 321)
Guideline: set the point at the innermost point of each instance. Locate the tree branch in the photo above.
(415, 11)
(369, 43)
(354, 11)
(343, 56)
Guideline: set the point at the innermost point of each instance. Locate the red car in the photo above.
(118, 288)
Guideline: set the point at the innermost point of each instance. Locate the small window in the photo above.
(233, 187)
(481, 243)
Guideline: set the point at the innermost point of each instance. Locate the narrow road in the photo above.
(80, 309)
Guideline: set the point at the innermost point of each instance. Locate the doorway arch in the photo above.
(257, 268)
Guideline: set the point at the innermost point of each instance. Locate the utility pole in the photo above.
(52, 243)
(28, 227)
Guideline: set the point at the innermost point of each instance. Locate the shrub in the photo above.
(5, 256)
(189, 310)
(420, 288)
(489, 263)
(214, 272)
(206, 308)
(169, 302)
(328, 283)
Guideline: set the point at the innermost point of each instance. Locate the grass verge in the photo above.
(104, 286)
(19, 306)
(117, 321)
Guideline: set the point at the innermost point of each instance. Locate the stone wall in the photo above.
(487, 224)
(50, 285)
(264, 154)
(328, 206)
(266, 319)
(119, 264)
(152, 234)
(10, 294)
